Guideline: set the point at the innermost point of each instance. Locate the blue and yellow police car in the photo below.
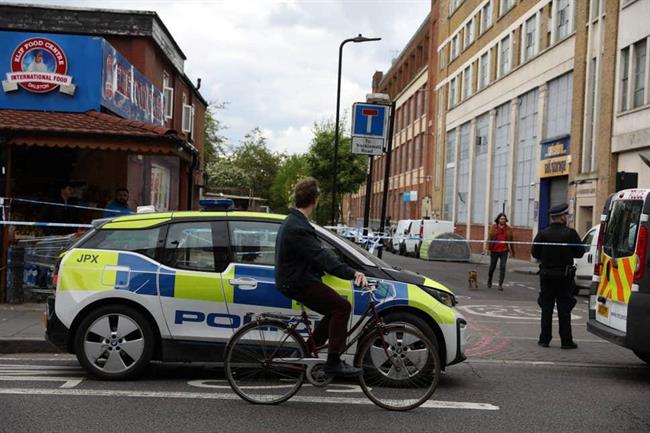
(175, 286)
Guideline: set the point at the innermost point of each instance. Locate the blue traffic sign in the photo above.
(369, 120)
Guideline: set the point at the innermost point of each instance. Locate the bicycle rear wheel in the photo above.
(257, 366)
(401, 367)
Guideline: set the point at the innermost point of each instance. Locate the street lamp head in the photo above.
(362, 38)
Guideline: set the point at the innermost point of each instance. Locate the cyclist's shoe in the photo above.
(342, 369)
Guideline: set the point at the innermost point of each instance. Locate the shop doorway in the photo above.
(552, 191)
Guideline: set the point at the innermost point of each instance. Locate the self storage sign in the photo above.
(554, 160)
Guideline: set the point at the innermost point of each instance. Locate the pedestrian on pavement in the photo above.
(120, 205)
(557, 275)
(499, 244)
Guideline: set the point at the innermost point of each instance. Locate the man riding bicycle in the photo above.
(300, 262)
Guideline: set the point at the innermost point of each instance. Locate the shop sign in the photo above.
(554, 159)
(127, 92)
(409, 196)
(39, 65)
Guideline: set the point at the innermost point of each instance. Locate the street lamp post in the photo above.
(357, 39)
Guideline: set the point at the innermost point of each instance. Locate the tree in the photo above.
(215, 143)
(351, 168)
(293, 169)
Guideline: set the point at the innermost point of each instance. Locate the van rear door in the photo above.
(618, 263)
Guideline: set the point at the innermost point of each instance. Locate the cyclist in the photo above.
(300, 262)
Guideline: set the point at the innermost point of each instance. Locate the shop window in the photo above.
(143, 242)
(525, 170)
(500, 152)
(254, 242)
(479, 171)
(463, 174)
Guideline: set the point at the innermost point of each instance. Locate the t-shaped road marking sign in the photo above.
(369, 128)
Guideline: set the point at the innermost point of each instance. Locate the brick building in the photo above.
(406, 82)
(100, 99)
(504, 109)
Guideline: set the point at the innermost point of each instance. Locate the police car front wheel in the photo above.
(114, 342)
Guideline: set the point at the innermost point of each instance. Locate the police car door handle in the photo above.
(244, 283)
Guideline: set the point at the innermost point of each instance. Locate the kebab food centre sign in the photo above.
(69, 73)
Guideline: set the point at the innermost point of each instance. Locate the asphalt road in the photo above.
(507, 384)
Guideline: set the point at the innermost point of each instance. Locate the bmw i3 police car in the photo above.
(175, 287)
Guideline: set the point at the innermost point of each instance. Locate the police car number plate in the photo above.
(603, 310)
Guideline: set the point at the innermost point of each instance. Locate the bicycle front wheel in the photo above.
(401, 367)
(258, 362)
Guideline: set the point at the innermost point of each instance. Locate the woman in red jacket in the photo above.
(499, 238)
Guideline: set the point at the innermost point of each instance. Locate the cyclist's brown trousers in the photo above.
(335, 309)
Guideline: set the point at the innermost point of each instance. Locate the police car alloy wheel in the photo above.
(114, 342)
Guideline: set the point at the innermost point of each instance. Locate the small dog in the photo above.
(472, 280)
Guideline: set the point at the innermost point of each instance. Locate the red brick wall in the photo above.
(476, 233)
(523, 235)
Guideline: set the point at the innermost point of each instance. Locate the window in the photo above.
(500, 152)
(467, 82)
(454, 48)
(143, 242)
(441, 57)
(420, 103)
(558, 106)
(452, 92)
(525, 170)
(530, 38)
(562, 16)
(453, 5)
(409, 156)
(621, 232)
(188, 117)
(168, 97)
(254, 242)
(504, 56)
(480, 169)
(638, 92)
(469, 33)
(191, 245)
(416, 153)
(486, 17)
(595, 9)
(625, 79)
(505, 6)
(447, 209)
(484, 70)
(463, 174)
(590, 139)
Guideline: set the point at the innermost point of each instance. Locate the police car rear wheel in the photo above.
(114, 342)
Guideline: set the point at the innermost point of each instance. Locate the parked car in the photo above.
(585, 264)
(401, 231)
(419, 229)
(176, 286)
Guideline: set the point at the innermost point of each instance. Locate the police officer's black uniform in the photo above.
(556, 276)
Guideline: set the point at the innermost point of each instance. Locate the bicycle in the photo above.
(267, 361)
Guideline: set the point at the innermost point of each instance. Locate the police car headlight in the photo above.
(441, 296)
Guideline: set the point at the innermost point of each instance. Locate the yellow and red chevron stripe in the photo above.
(617, 278)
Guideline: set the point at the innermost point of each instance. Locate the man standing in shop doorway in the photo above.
(120, 205)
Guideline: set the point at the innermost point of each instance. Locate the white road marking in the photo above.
(431, 404)
(555, 363)
(336, 388)
(68, 382)
(514, 312)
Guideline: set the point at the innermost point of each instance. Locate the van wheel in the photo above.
(417, 251)
(114, 342)
(643, 356)
(402, 249)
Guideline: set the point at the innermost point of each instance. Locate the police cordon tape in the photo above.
(48, 203)
(364, 238)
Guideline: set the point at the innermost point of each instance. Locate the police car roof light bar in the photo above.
(216, 204)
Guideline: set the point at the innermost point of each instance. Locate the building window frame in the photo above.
(530, 40)
(624, 81)
(468, 35)
(487, 12)
(505, 6)
(639, 71)
(168, 97)
(467, 82)
(505, 61)
(484, 70)
(452, 92)
(454, 5)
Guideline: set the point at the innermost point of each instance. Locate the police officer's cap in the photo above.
(559, 209)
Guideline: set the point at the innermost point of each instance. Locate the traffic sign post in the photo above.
(369, 128)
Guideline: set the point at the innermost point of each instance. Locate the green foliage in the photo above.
(294, 168)
(215, 143)
(351, 168)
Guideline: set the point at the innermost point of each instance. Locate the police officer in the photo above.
(556, 274)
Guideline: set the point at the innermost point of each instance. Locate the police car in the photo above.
(175, 287)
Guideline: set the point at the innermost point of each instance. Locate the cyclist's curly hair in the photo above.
(306, 192)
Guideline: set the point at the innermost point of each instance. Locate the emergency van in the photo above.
(176, 286)
(619, 307)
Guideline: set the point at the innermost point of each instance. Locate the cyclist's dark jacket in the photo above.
(557, 257)
(300, 260)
